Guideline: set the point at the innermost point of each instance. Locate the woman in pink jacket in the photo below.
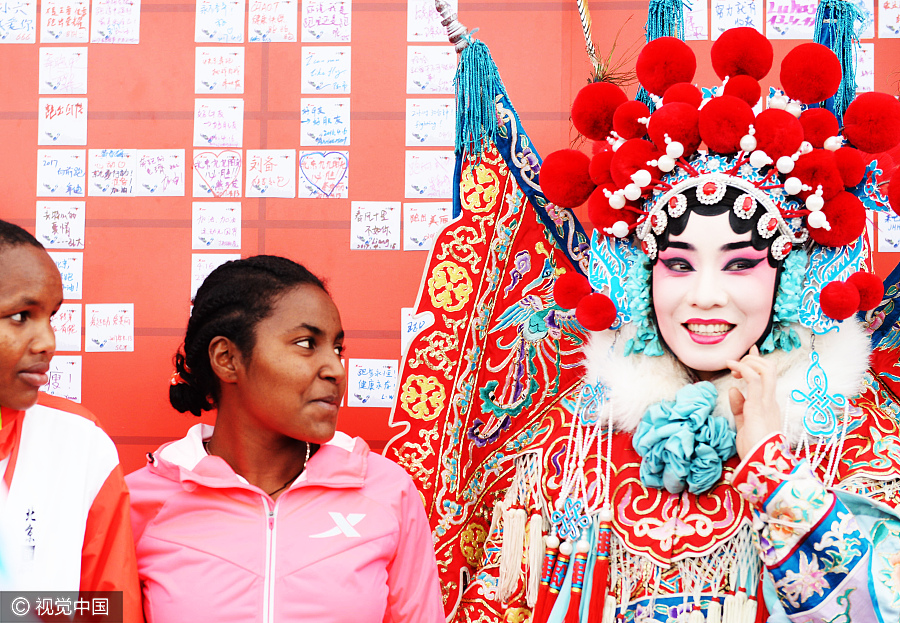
(272, 515)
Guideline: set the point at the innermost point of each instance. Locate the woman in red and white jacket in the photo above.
(272, 515)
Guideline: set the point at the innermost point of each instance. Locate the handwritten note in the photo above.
(116, 21)
(65, 378)
(204, 263)
(430, 69)
(272, 21)
(64, 21)
(218, 122)
(111, 172)
(411, 326)
(375, 225)
(791, 19)
(326, 69)
(160, 173)
(865, 68)
(216, 225)
(324, 174)
(423, 22)
(71, 270)
(217, 173)
(60, 224)
(62, 121)
(429, 174)
(867, 9)
(219, 21)
(67, 327)
(430, 122)
(62, 71)
(60, 172)
(219, 70)
(422, 222)
(18, 21)
(324, 121)
(889, 19)
(371, 382)
(888, 232)
(271, 173)
(725, 14)
(109, 328)
(326, 21)
(696, 21)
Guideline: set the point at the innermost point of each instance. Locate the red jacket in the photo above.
(65, 519)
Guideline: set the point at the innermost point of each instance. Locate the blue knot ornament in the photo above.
(682, 444)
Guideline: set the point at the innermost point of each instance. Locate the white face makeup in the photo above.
(712, 293)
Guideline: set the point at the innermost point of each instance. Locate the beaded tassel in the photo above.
(550, 554)
(573, 612)
(836, 29)
(601, 567)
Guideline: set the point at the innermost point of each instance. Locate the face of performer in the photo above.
(30, 294)
(712, 293)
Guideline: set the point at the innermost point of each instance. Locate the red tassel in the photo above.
(581, 554)
(546, 571)
(556, 581)
(600, 583)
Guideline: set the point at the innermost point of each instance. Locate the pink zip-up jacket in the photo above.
(348, 541)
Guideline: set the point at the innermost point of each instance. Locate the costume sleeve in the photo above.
(819, 555)
(107, 557)
(414, 594)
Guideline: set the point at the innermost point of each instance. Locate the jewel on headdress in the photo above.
(767, 226)
(711, 192)
(748, 141)
(793, 186)
(785, 165)
(745, 206)
(781, 247)
(648, 245)
(658, 221)
(677, 205)
(815, 202)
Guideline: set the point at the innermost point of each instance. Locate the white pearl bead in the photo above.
(565, 548)
(833, 143)
(817, 220)
(815, 202)
(759, 159)
(552, 541)
(805, 147)
(675, 149)
(617, 201)
(617, 144)
(794, 108)
(666, 163)
(582, 546)
(620, 229)
(632, 192)
(642, 178)
(792, 185)
(748, 143)
(778, 101)
(785, 164)
(606, 514)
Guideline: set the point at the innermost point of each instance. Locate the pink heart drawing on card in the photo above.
(220, 172)
(324, 170)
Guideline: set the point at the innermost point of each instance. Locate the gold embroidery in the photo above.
(471, 543)
(412, 455)
(449, 286)
(438, 355)
(423, 397)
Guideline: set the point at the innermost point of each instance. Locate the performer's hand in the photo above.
(756, 412)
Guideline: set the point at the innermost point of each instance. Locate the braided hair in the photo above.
(14, 236)
(231, 302)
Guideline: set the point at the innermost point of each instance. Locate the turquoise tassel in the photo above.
(477, 84)
(665, 19)
(835, 29)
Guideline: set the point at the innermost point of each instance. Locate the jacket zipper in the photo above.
(269, 578)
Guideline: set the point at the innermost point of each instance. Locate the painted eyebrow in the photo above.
(731, 246)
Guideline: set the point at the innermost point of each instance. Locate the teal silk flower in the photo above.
(682, 443)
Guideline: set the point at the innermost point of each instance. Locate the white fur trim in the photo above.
(635, 382)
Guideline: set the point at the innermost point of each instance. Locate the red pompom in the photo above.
(602, 215)
(816, 168)
(570, 288)
(596, 312)
(593, 109)
(683, 92)
(663, 62)
(625, 119)
(723, 122)
(632, 156)
(564, 178)
(743, 87)
(894, 192)
(847, 218)
(810, 73)
(851, 165)
(870, 288)
(680, 122)
(839, 300)
(742, 51)
(872, 122)
(778, 133)
(599, 168)
(818, 124)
